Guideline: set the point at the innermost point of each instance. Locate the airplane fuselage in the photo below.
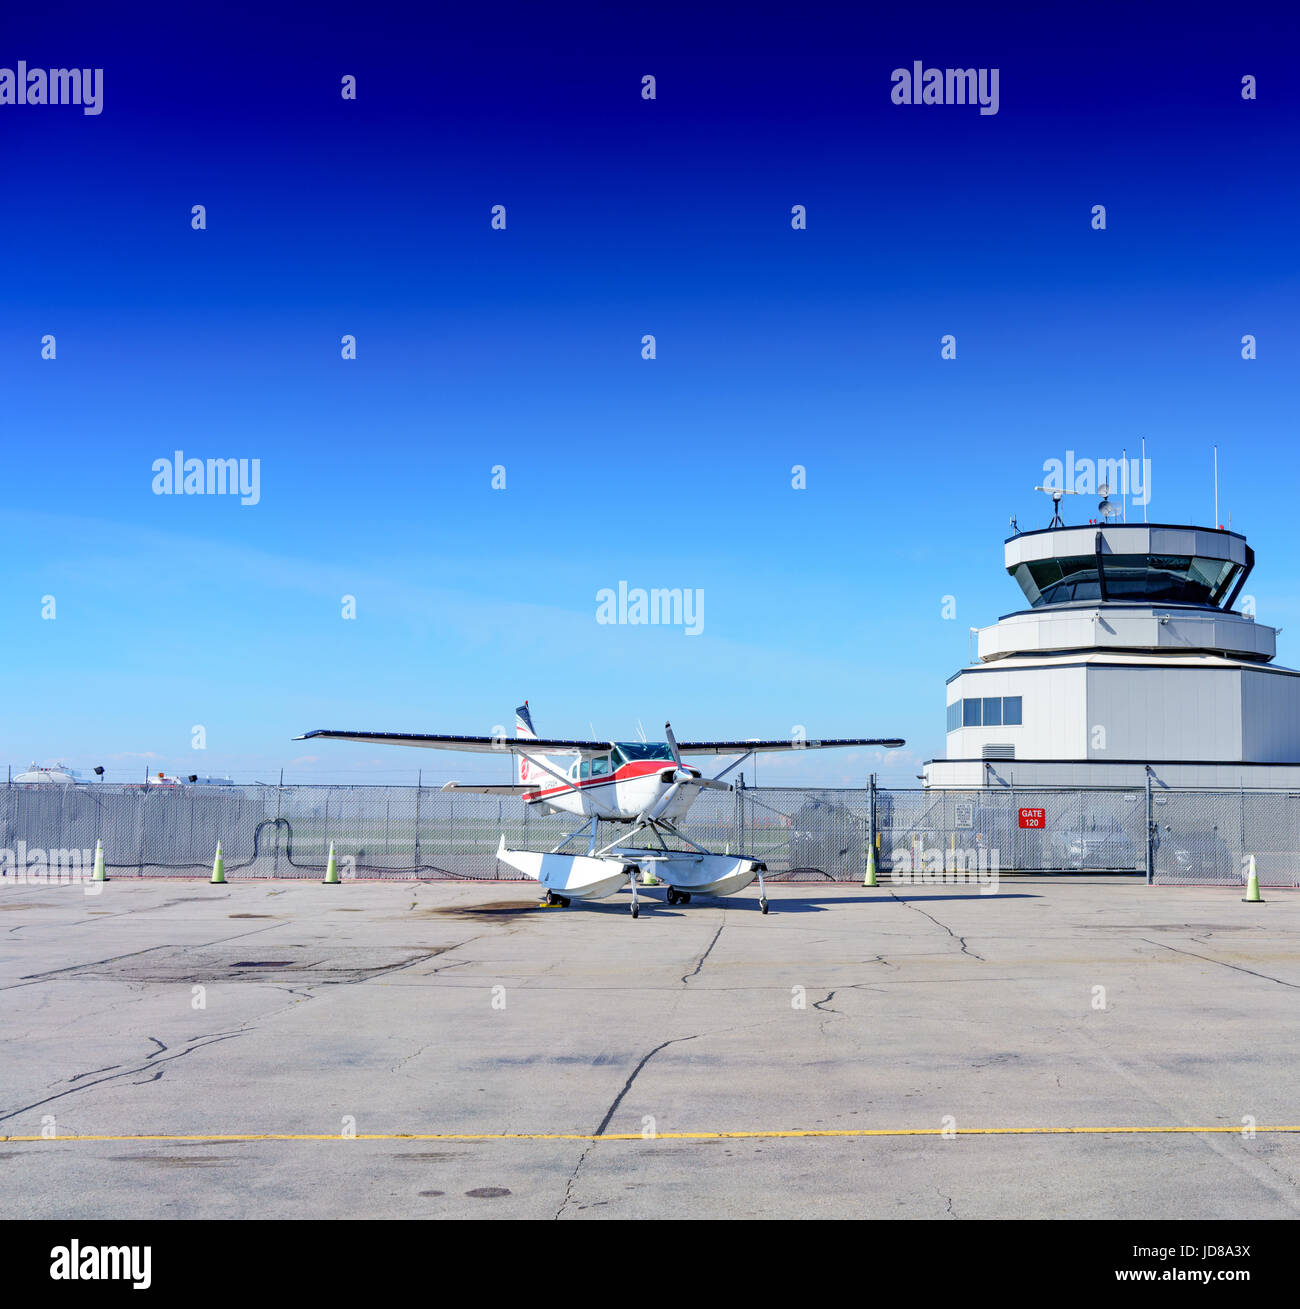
(629, 783)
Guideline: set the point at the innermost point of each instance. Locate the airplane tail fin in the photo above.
(525, 771)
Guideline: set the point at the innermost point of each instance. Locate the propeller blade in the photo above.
(712, 784)
(672, 744)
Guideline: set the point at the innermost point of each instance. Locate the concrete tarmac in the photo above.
(452, 1050)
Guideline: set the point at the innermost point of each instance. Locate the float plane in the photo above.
(642, 784)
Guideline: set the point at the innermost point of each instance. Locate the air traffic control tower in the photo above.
(1130, 654)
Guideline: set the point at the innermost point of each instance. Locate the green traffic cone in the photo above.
(870, 878)
(99, 875)
(331, 869)
(218, 868)
(1252, 895)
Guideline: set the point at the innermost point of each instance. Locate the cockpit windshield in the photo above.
(634, 751)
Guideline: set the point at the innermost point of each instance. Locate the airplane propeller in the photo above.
(684, 774)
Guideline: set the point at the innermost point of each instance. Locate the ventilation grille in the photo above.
(999, 752)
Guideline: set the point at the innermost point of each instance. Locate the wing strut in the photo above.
(734, 764)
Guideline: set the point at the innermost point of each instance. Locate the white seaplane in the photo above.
(642, 784)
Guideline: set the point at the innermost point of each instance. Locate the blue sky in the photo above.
(522, 348)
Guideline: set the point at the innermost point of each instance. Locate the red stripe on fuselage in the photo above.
(640, 768)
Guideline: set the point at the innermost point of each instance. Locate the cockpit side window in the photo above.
(600, 766)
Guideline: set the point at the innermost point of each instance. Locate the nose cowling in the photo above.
(678, 775)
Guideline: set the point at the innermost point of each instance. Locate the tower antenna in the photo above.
(1056, 493)
(1216, 486)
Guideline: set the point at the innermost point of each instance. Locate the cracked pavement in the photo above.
(157, 1008)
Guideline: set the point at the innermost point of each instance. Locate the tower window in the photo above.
(985, 711)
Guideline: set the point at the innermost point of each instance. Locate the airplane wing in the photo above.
(472, 788)
(745, 747)
(477, 744)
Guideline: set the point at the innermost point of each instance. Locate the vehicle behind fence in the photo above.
(802, 834)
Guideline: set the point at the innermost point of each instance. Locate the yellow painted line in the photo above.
(660, 1136)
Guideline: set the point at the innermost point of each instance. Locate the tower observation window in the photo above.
(1174, 579)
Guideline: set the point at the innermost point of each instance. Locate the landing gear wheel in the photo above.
(551, 899)
(562, 901)
(684, 897)
(672, 896)
(636, 911)
(762, 904)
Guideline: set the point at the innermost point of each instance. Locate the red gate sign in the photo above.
(1033, 818)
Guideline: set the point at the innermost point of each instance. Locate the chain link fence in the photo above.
(802, 834)
(1024, 830)
(1204, 837)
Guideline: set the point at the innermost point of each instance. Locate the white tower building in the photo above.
(1129, 655)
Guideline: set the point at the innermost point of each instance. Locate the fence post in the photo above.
(279, 792)
(1150, 868)
(1014, 832)
(871, 816)
(419, 781)
(1241, 786)
(740, 812)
